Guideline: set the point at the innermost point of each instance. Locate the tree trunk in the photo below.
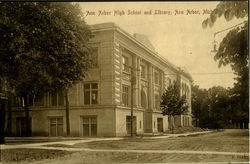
(9, 123)
(67, 112)
(2, 120)
(27, 116)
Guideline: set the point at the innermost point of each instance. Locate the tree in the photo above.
(219, 107)
(43, 51)
(233, 51)
(212, 108)
(229, 9)
(3, 102)
(198, 98)
(173, 103)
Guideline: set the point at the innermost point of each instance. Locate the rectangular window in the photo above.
(142, 69)
(125, 91)
(60, 98)
(89, 126)
(31, 100)
(54, 99)
(39, 101)
(169, 82)
(91, 93)
(187, 92)
(157, 102)
(156, 77)
(184, 92)
(94, 57)
(56, 126)
(125, 64)
(57, 98)
(16, 102)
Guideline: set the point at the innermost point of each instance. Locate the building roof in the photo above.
(144, 40)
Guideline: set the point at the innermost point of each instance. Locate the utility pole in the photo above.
(132, 102)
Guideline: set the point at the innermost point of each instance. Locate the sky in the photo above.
(176, 33)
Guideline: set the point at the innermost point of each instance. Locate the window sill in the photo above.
(125, 72)
(126, 106)
(144, 79)
(90, 104)
(158, 85)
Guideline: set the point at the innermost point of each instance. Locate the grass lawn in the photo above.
(36, 156)
(118, 157)
(30, 155)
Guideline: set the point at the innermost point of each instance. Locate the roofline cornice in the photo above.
(153, 53)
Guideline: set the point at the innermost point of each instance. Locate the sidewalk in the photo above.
(41, 140)
(76, 140)
(178, 135)
(69, 142)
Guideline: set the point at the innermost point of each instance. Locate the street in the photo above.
(221, 146)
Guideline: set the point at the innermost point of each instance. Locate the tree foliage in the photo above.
(50, 44)
(43, 46)
(233, 51)
(219, 107)
(215, 108)
(198, 101)
(172, 103)
(229, 9)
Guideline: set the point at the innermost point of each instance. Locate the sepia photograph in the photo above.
(124, 82)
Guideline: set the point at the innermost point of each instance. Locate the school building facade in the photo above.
(101, 104)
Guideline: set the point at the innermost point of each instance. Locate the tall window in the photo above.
(16, 101)
(156, 77)
(91, 93)
(125, 64)
(56, 126)
(57, 98)
(157, 102)
(169, 82)
(125, 91)
(39, 101)
(143, 99)
(94, 57)
(142, 69)
(183, 89)
(187, 92)
(89, 125)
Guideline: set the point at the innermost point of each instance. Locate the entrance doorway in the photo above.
(160, 124)
(21, 126)
(89, 126)
(128, 124)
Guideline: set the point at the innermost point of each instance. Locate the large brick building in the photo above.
(101, 104)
